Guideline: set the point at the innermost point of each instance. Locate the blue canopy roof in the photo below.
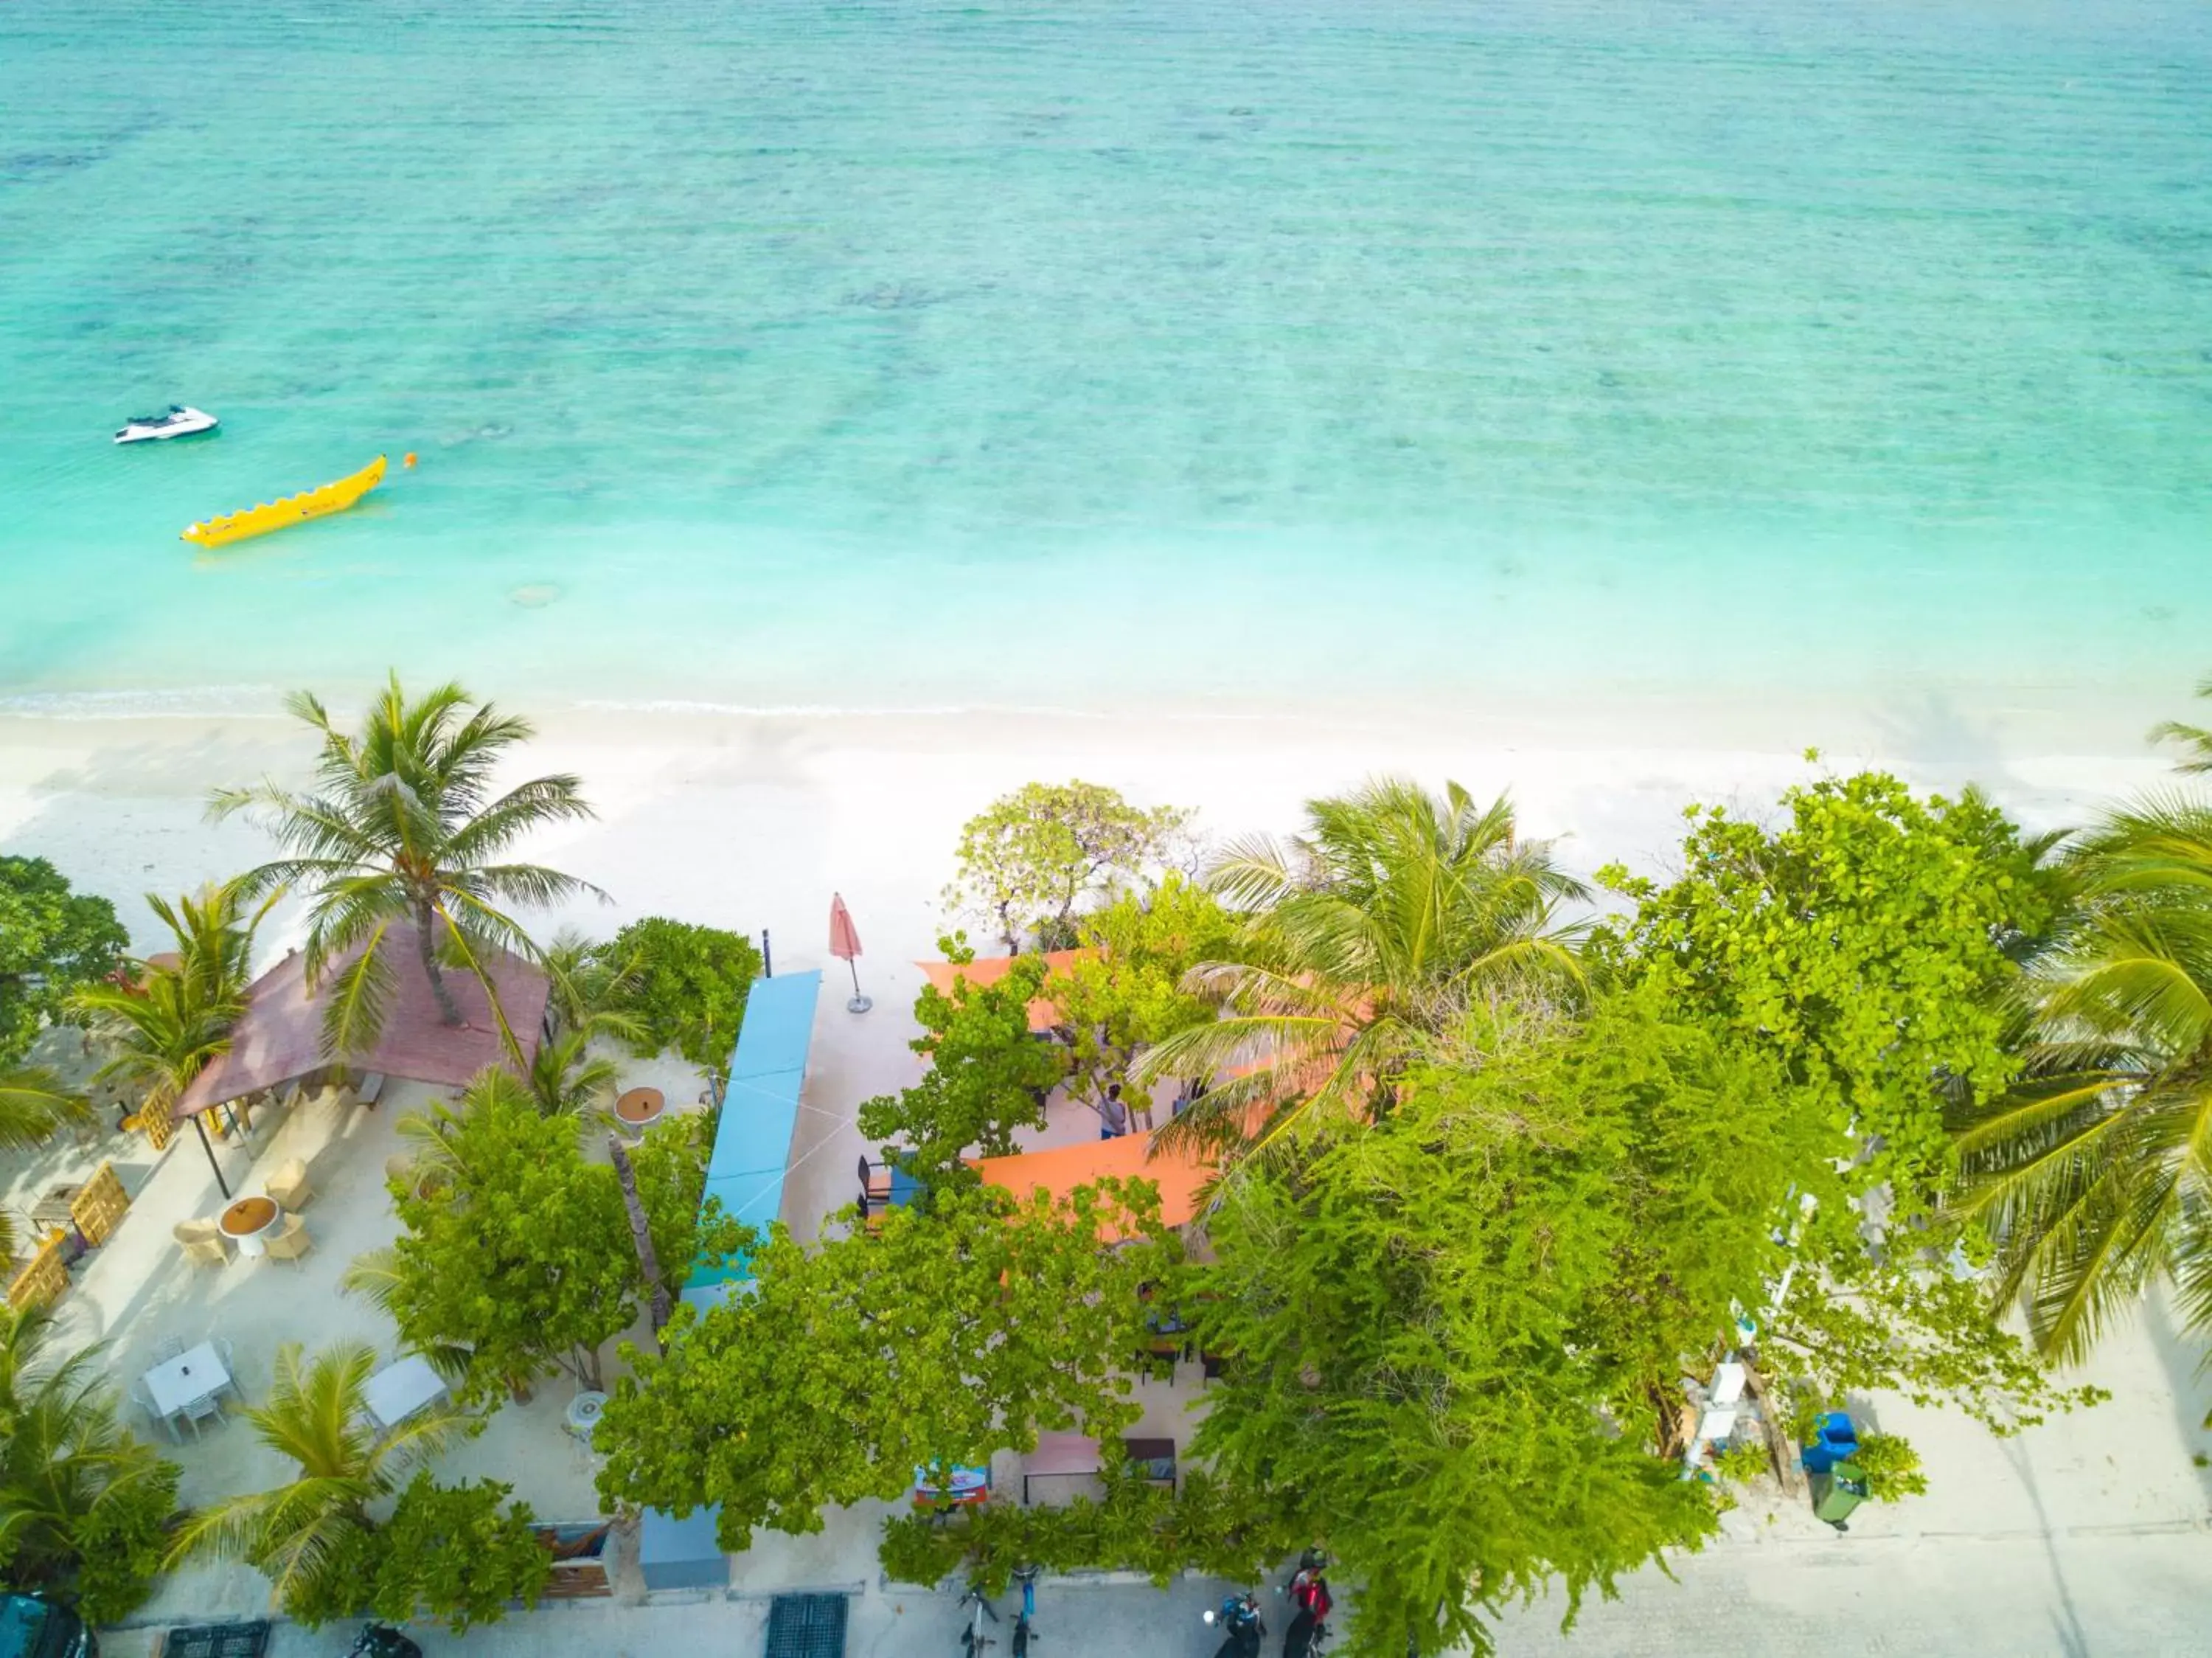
(760, 1108)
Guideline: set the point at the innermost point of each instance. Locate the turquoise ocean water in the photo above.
(1061, 352)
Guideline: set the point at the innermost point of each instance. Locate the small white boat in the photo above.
(179, 422)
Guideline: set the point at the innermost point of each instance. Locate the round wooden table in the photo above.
(639, 1108)
(248, 1220)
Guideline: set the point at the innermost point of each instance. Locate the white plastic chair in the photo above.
(145, 1401)
(222, 1350)
(200, 1410)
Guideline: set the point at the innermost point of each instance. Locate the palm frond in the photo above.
(35, 1103)
(360, 994)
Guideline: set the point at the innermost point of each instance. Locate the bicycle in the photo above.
(973, 1640)
(1025, 1622)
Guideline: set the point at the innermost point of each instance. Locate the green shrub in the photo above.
(684, 985)
(1890, 1467)
(1207, 1526)
(448, 1552)
(1745, 1460)
(124, 1538)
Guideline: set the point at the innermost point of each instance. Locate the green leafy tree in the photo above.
(457, 1552)
(301, 1533)
(403, 826)
(1851, 1321)
(1207, 1525)
(680, 985)
(671, 1170)
(2093, 1177)
(1700, 1153)
(1027, 861)
(51, 940)
(1429, 1365)
(932, 1341)
(987, 1077)
(175, 1020)
(1870, 943)
(1130, 994)
(85, 1506)
(520, 1261)
(1394, 913)
(1867, 950)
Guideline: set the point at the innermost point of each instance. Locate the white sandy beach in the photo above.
(750, 821)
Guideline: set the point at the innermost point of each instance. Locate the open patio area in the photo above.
(147, 1299)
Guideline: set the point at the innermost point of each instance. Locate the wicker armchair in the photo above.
(289, 1186)
(202, 1242)
(290, 1243)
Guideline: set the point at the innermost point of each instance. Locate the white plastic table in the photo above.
(398, 1391)
(185, 1381)
(582, 1415)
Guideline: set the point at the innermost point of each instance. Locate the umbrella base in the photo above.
(859, 1004)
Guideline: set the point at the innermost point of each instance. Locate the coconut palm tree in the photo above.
(2095, 1176)
(584, 982)
(317, 1415)
(403, 826)
(175, 1020)
(2195, 740)
(70, 1471)
(1378, 927)
(586, 985)
(567, 1080)
(33, 1103)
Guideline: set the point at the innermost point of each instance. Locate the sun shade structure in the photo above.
(1127, 1156)
(986, 970)
(845, 945)
(760, 1108)
(279, 1039)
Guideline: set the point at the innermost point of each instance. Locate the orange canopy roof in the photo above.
(1127, 1156)
(986, 970)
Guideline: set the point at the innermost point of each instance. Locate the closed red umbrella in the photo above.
(845, 944)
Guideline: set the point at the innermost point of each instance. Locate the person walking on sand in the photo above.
(1113, 1116)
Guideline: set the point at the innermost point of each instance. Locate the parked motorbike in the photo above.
(1309, 1598)
(1240, 1618)
(382, 1641)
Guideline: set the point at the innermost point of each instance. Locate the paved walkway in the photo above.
(2088, 1594)
(2088, 1537)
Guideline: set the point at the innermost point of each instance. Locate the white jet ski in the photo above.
(179, 422)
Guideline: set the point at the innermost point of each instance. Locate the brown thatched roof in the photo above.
(280, 1037)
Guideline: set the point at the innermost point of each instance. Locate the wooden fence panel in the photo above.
(42, 1282)
(157, 1125)
(100, 1205)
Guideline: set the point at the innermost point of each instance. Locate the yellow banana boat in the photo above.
(317, 503)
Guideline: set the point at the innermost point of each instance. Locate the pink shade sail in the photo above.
(844, 937)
